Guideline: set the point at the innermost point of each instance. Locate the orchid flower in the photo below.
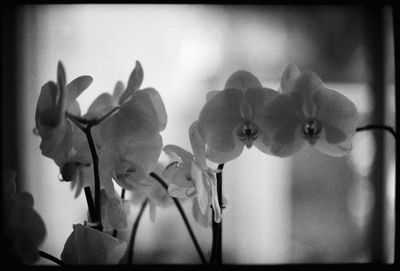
(23, 228)
(60, 138)
(308, 111)
(231, 118)
(192, 177)
(86, 245)
(128, 142)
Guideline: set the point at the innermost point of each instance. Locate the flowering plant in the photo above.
(118, 141)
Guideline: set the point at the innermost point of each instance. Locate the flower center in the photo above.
(312, 129)
(248, 133)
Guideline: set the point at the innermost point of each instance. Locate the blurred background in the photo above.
(310, 208)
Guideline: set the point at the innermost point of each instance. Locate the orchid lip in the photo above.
(248, 133)
(312, 129)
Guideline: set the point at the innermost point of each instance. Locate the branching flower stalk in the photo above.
(182, 212)
(80, 123)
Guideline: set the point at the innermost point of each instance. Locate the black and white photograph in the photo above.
(200, 135)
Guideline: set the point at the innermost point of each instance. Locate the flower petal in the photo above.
(88, 246)
(211, 94)
(181, 191)
(242, 80)
(47, 113)
(219, 118)
(140, 116)
(223, 157)
(100, 106)
(336, 110)
(118, 90)
(184, 155)
(259, 99)
(201, 191)
(280, 126)
(214, 197)
(289, 76)
(75, 88)
(303, 90)
(199, 217)
(336, 150)
(134, 82)
(141, 158)
(287, 141)
(198, 146)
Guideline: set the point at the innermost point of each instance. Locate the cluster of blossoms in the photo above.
(126, 126)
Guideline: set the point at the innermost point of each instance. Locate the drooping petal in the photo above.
(289, 76)
(242, 80)
(219, 118)
(336, 112)
(199, 217)
(333, 149)
(198, 145)
(214, 197)
(201, 191)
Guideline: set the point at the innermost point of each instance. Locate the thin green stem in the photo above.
(378, 127)
(216, 249)
(182, 212)
(128, 257)
(47, 256)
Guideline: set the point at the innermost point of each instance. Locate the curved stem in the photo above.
(378, 127)
(51, 258)
(129, 251)
(216, 250)
(128, 256)
(96, 172)
(182, 212)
